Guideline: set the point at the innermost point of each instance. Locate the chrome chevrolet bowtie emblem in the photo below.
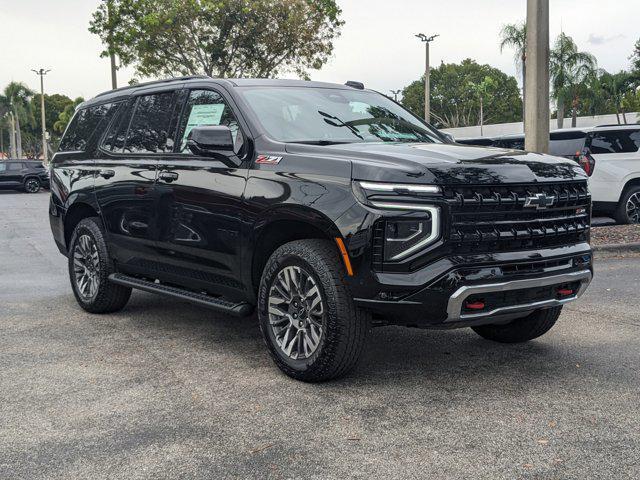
(540, 201)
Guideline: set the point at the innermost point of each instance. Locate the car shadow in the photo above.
(448, 360)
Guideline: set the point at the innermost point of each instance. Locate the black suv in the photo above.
(27, 175)
(328, 208)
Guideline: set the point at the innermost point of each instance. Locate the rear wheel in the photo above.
(312, 328)
(628, 210)
(523, 329)
(32, 185)
(89, 270)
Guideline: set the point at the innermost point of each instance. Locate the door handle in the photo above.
(168, 176)
(107, 173)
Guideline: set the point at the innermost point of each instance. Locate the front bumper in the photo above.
(456, 311)
(510, 284)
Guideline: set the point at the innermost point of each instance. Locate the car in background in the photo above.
(610, 154)
(26, 175)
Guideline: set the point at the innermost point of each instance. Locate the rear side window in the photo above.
(615, 141)
(84, 126)
(150, 128)
(567, 144)
(15, 167)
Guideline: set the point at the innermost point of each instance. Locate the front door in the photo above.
(126, 176)
(200, 204)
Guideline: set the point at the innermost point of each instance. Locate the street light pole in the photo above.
(427, 73)
(395, 94)
(41, 73)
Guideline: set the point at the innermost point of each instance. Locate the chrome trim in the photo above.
(399, 187)
(454, 308)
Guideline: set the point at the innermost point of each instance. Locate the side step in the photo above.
(219, 304)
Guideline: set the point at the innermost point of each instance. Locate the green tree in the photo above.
(484, 92)
(54, 105)
(225, 38)
(614, 87)
(19, 98)
(515, 36)
(65, 116)
(569, 69)
(454, 99)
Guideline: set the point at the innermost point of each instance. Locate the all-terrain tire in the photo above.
(107, 297)
(522, 329)
(345, 325)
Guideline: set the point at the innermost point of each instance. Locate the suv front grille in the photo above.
(494, 218)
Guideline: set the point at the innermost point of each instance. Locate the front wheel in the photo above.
(628, 210)
(523, 329)
(312, 328)
(89, 270)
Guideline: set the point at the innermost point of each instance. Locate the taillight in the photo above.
(586, 161)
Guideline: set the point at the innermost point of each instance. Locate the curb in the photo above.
(616, 248)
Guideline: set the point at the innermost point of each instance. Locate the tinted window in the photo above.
(205, 107)
(567, 144)
(312, 115)
(3, 167)
(114, 140)
(84, 126)
(512, 143)
(150, 128)
(15, 167)
(615, 141)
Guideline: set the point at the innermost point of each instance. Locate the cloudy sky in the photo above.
(377, 45)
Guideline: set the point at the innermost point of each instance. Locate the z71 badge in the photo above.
(268, 159)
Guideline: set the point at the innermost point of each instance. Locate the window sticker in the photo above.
(208, 114)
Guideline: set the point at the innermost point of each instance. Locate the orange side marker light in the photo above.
(345, 256)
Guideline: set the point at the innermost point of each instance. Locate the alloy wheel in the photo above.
(296, 312)
(86, 266)
(633, 208)
(32, 186)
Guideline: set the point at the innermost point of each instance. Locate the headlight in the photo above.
(404, 236)
(415, 221)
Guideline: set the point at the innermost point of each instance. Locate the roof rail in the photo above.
(153, 82)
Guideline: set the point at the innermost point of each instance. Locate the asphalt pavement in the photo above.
(166, 389)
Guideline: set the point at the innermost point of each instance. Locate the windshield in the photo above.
(332, 115)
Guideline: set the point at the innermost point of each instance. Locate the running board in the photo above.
(237, 309)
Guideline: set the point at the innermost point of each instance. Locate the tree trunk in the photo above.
(481, 116)
(12, 139)
(624, 116)
(560, 111)
(18, 137)
(617, 113)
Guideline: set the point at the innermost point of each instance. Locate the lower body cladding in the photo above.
(478, 293)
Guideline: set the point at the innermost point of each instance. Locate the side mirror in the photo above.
(213, 141)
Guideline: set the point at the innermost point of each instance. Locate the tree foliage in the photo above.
(569, 69)
(225, 38)
(455, 101)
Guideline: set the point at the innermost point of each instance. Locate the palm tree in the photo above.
(615, 86)
(515, 36)
(21, 109)
(569, 68)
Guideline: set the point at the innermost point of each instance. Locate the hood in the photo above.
(446, 164)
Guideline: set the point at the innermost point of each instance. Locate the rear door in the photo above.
(13, 174)
(125, 183)
(3, 174)
(199, 204)
(617, 156)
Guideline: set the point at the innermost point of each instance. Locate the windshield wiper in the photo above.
(336, 122)
(319, 142)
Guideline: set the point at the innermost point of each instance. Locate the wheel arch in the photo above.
(74, 214)
(629, 183)
(282, 225)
